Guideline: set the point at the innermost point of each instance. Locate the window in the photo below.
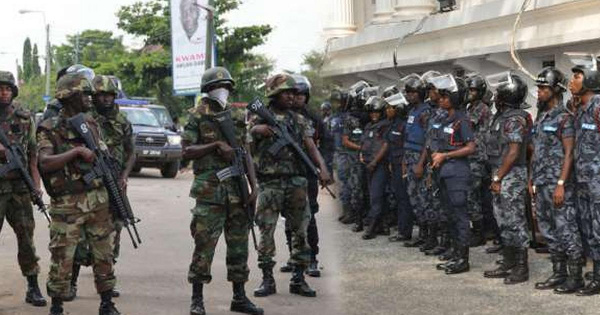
(447, 5)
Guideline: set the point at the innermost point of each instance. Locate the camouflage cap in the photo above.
(72, 83)
(8, 78)
(104, 84)
(279, 83)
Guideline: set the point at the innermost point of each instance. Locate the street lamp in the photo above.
(24, 11)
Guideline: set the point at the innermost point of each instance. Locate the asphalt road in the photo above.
(359, 277)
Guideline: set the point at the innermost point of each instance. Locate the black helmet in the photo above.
(428, 75)
(326, 106)
(389, 91)
(397, 101)
(374, 104)
(511, 89)
(477, 82)
(413, 83)
(355, 95)
(9, 79)
(216, 75)
(553, 78)
(302, 85)
(454, 88)
(587, 64)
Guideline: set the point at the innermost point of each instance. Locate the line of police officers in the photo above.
(463, 156)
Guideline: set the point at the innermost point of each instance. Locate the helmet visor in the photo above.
(583, 60)
(445, 83)
(498, 79)
(396, 100)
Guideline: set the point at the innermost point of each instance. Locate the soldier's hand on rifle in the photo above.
(418, 169)
(123, 183)
(263, 130)
(86, 154)
(559, 196)
(325, 178)
(225, 150)
(495, 187)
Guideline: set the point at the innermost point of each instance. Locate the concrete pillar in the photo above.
(413, 9)
(384, 10)
(342, 19)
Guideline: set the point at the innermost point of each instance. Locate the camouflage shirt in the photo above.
(587, 148)
(550, 128)
(19, 127)
(509, 126)
(353, 129)
(117, 135)
(201, 129)
(373, 139)
(395, 139)
(479, 115)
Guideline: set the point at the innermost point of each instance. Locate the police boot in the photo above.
(287, 267)
(477, 237)
(347, 216)
(559, 273)
(589, 276)
(73, 289)
(371, 231)
(399, 238)
(593, 287)
(420, 239)
(240, 302)
(520, 272)
(33, 295)
(449, 252)
(508, 262)
(442, 246)
(359, 224)
(267, 287)
(450, 258)
(574, 279)
(431, 241)
(313, 268)
(496, 248)
(107, 307)
(299, 286)
(197, 306)
(57, 307)
(461, 263)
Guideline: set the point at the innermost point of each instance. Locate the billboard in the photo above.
(188, 41)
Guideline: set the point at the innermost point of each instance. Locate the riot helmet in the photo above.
(587, 64)
(428, 75)
(476, 81)
(355, 95)
(389, 91)
(374, 104)
(413, 83)
(454, 88)
(511, 89)
(553, 78)
(302, 85)
(326, 106)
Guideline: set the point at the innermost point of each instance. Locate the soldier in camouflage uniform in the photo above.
(15, 201)
(282, 186)
(219, 206)
(54, 106)
(506, 147)
(479, 114)
(551, 183)
(76, 207)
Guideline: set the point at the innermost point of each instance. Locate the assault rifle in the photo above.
(104, 167)
(14, 162)
(283, 137)
(238, 168)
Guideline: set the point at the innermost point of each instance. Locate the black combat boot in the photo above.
(358, 222)
(73, 289)
(33, 295)
(593, 287)
(449, 253)
(508, 263)
(313, 268)
(299, 286)
(496, 248)
(107, 307)
(442, 246)
(267, 287)
(420, 239)
(574, 279)
(477, 235)
(431, 241)
(197, 306)
(57, 307)
(399, 238)
(520, 273)
(287, 267)
(451, 256)
(461, 263)
(348, 215)
(559, 273)
(240, 302)
(371, 231)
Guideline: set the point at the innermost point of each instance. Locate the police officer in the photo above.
(586, 85)
(339, 100)
(451, 144)
(282, 180)
(218, 203)
(76, 207)
(507, 150)
(479, 114)
(373, 154)
(327, 141)
(15, 201)
(551, 183)
(415, 153)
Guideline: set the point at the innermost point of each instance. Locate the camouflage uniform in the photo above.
(76, 209)
(218, 204)
(357, 177)
(435, 213)
(15, 202)
(336, 126)
(510, 126)
(587, 170)
(282, 190)
(479, 114)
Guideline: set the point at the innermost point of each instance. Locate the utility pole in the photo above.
(48, 61)
(77, 48)
(210, 34)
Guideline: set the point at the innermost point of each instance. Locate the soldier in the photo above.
(282, 180)
(54, 106)
(15, 200)
(506, 147)
(76, 207)
(415, 153)
(452, 142)
(551, 183)
(373, 153)
(218, 203)
(586, 87)
(479, 113)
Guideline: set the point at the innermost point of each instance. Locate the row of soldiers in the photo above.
(447, 146)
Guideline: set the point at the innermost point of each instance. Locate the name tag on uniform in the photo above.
(588, 126)
(396, 133)
(449, 130)
(357, 132)
(371, 134)
(549, 128)
(411, 119)
(436, 126)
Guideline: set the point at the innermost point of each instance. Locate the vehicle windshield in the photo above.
(141, 117)
(162, 114)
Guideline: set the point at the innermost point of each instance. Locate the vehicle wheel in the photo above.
(136, 169)
(170, 170)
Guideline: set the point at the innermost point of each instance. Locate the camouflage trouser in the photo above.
(558, 225)
(435, 213)
(359, 190)
(65, 234)
(343, 162)
(588, 201)
(17, 210)
(83, 253)
(418, 195)
(509, 208)
(207, 224)
(286, 196)
(475, 196)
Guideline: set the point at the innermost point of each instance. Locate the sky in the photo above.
(297, 25)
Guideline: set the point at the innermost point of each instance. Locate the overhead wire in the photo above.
(513, 46)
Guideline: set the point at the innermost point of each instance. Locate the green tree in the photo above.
(27, 67)
(30, 93)
(321, 88)
(91, 48)
(35, 62)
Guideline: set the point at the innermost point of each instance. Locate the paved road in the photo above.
(359, 277)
